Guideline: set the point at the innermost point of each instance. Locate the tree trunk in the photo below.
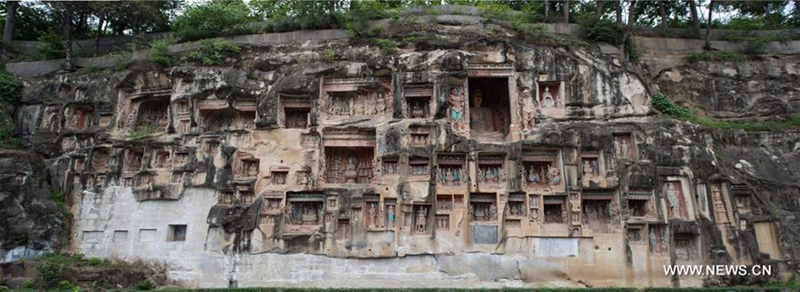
(98, 35)
(566, 11)
(11, 14)
(695, 20)
(629, 28)
(68, 34)
(663, 11)
(707, 46)
(618, 10)
(135, 30)
(600, 4)
(547, 9)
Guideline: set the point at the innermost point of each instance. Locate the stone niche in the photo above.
(551, 97)
(418, 101)
(598, 212)
(100, 160)
(491, 171)
(625, 146)
(742, 197)
(659, 239)
(349, 156)
(421, 216)
(678, 198)
(50, 119)
(294, 111)
(78, 116)
(721, 204)
(419, 167)
(390, 165)
(636, 234)
(483, 207)
(159, 157)
(279, 174)
(640, 205)
(516, 207)
(452, 172)
(419, 136)
(372, 212)
(304, 213)
(687, 247)
(353, 97)
(541, 171)
(152, 113)
(390, 212)
(489, 109)
(246, 166)
(226, 120)
(182, 115)
(555, 209)
(593, 173)
(133, 160)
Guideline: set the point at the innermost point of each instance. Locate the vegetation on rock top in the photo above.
(665, 105)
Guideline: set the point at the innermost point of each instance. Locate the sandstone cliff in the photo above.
(461, 159)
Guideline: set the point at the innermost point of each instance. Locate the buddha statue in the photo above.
(547, 99)
(350, 173)
(481, 119)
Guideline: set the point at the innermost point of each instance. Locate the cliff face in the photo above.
(496, 163)
(31, 223)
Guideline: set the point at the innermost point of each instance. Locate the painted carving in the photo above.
(456, 101)
(528, 116)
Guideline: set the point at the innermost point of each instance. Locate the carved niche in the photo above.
(417, 101)
(295, 111)
(349, 156)
(304, 212)
(491, 170)
(78, 116)
(541, 171)
(349, 97)
(452, 170)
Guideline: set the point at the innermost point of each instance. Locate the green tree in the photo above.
(212, 18)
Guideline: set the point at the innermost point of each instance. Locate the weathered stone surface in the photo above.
(474, 161)
(30, 223)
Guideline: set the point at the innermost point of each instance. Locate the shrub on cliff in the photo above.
(663, 104)
(10, 87)
(214, 52)
(159, 52)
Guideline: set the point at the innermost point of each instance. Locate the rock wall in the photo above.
(497, 162)
(30, 222)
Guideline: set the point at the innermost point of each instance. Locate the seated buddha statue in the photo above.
(483, 121)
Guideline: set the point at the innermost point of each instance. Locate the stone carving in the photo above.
(483, 120)
(548, 99)
(357, 103)
(528, 110)
(452, 171)
(422, 218)
(456, 102)
(676, 201)
(591, 168)
(623, 146)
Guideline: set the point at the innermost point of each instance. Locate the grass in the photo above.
(141, 132)
(662, 103)
(715, 56)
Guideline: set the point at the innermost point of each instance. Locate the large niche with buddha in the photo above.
(489, 113)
